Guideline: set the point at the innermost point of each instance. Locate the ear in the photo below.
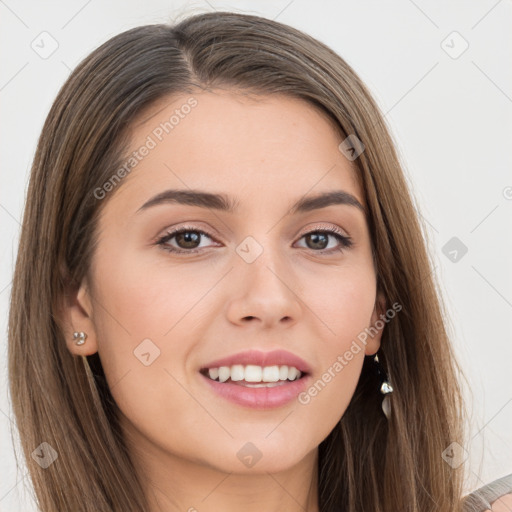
(377, 325)
(76, 314)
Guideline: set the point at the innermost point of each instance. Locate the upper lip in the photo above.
(258, 358)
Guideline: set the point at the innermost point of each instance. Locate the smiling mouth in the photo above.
(254, 376)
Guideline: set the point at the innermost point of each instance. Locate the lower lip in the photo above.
(258, 398)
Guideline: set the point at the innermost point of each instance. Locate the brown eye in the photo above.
(318, 240)
(186, 240)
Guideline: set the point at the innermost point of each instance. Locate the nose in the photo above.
(266, 292)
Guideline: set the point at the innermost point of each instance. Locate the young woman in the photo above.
(223, 298)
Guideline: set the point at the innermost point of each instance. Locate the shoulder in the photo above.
(493, 497)
(503, 504)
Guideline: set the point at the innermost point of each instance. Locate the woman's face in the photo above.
(265, 287)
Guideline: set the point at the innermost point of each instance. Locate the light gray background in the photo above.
(451, 118)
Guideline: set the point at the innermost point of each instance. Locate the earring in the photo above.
(79, 337)
(385, 388)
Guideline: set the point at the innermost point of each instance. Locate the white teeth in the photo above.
(237, 372)
(292, 372)
(271, 374)
(253, 373)
(224, 373)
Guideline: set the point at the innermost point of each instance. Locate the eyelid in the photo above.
(322, 227)
(208, 231)
(308, 229)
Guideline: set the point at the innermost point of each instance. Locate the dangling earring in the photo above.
(79, 337)
(385, 388)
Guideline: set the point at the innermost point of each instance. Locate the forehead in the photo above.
(237, 143)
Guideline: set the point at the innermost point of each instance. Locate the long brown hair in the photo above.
(366, 463)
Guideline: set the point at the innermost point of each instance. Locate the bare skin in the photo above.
(503, 504)
(267, 153)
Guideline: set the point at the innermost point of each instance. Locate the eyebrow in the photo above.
(224, 203)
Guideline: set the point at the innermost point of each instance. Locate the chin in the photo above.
(258, 456)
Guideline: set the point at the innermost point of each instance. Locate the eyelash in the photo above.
(345, 241)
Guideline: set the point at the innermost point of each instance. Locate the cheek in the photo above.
(138, 312)
(344, 302)
(139, 299)
(143, 353)
(345, 306)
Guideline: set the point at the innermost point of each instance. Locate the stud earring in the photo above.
(385, 387)
(79, 337)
